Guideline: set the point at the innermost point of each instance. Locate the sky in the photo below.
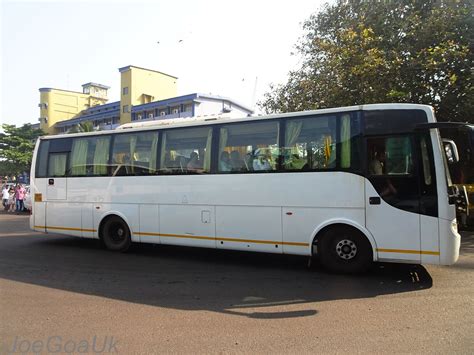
(228, 48)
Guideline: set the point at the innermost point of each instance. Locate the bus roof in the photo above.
(223, 118)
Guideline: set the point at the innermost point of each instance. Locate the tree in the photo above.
(16, 148)
(360, 52)
(86, 126)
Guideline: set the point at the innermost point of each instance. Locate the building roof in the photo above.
(223, 98)
(97, 85)
(95, 116)
(49, 89)
(134, 66)
(114, 107)
(113, 110)
(186, 98)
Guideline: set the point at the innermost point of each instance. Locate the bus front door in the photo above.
(393, 198)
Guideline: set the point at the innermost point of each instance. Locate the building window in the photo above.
(125, 109)
(175, 110)
(125, 91)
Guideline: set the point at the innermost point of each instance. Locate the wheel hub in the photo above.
(346, 249)
(117, 234)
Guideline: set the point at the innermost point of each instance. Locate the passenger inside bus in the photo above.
(378, 161)
(377, 167)
(262, 160)
(194, 162)
(224, 162)
(236, 161)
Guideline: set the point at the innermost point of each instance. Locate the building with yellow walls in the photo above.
(58, 105)
(144, 95)
(141, 86)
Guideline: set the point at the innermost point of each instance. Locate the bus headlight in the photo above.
(454, 225)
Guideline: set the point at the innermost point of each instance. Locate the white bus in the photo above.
(349, 185)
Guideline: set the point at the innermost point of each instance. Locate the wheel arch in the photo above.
(109, 215)
(323, 227)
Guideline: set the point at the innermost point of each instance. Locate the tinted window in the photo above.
(42, 159)
(57, 164)
(135, 154)
(322, 142)
(310, 143)
(392, 172)
(392, 121)
(390, 156)
(60, 145)
(248, 147)
(429, 196)
(186, 151)
(89, 156)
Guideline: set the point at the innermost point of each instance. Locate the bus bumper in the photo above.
(450, 241)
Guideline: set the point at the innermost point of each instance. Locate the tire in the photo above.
(116, 234)
(345, 250)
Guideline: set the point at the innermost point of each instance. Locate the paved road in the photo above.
(61, 292)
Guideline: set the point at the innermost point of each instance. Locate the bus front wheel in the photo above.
(345, 250)
(116, 234)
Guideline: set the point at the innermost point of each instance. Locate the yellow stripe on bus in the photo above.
(405, 251)
(67, 228)
(237, 240)
(185, 236)
(223, 239)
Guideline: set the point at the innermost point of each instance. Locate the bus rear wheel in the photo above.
(116, 234)
(345, 250)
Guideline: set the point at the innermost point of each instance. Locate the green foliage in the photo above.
(16, 148)
(82, 127)
(361, 52)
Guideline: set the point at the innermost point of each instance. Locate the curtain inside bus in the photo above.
(79, 157)
(207, 154)
(101, 156)
(154, 153)
(346, 141)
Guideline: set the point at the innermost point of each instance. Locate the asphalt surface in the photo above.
(60, 293)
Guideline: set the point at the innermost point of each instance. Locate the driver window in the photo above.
(390, 156)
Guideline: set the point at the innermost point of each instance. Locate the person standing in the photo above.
(11, 200)
(5, 197)
(20, 193)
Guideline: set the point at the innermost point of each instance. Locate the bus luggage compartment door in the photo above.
(252, 228)
(192, 225)
(56, 189)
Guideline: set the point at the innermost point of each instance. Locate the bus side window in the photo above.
(57, 164)
(186, 151)
(59, 150)
(249, 146)
(310, 143)
(89, 156)
(42, 159)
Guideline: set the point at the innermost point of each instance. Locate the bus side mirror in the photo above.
(451, 151)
